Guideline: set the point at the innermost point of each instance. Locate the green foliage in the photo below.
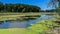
(1, 6)
(18, 8)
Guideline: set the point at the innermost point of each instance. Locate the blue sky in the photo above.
(40, 3)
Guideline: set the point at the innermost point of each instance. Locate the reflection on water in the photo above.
(46, 17)
(4, 24)
(23, 24)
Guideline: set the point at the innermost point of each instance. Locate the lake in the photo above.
(24, 23)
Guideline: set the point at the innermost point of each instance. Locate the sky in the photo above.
(41, 3)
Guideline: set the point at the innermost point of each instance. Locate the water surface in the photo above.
(24, 24)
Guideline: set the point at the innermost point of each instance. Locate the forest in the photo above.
(22, 8)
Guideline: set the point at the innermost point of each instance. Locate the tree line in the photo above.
(18, 8)
(21, 8)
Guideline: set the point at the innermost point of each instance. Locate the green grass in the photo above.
(16, 31)
(12, 31)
